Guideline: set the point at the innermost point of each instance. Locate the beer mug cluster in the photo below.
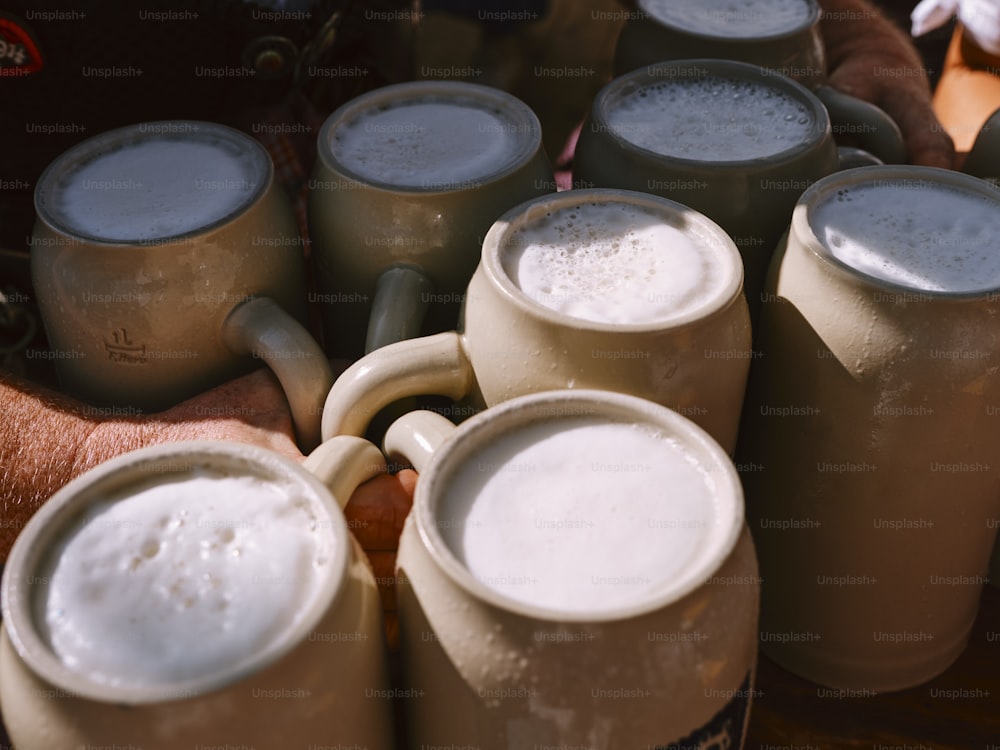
(580, 566)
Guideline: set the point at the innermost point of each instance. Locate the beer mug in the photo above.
(781, 35)
(164, 255)
(575, 572)
(197, 593)
(407, 181)
(871, 426)
(609, 289)
(732, 140)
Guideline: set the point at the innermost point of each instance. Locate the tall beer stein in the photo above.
(782, 35)
(575, 572)
(871, 434)
(408, 179)
(164, 258)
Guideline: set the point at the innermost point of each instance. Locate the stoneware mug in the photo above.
(314, 670)
(165, 260)
(780, 35)
(506, 644)
(407, 180)
(741, 157)
(694, 358)
(871, 426)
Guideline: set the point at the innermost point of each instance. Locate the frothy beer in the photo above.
(732, 18)
(913, 233)
(711, 118)
(578, 514)
(181, 579)
(616, 262)
(155, 186)
(430, 142)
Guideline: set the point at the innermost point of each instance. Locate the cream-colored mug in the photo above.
(735, 141)
(781, 35)
(408, 179)
(582, 289)
(165, 259)
(575, 572)
(194, 594)
(871, 426)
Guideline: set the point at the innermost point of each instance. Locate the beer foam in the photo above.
(712, 119)
(615, 262)
(578, 514)
(739, 19)
(181, 579)
(427, 143)
(156, 187)
(914, 233)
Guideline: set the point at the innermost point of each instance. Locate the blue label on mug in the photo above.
(725, 730)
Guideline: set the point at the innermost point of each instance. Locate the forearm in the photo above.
(45, 440)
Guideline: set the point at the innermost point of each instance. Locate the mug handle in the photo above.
(399, 307)
(259, 326)
(343, 463)
(983, 159)
(428, 365)
(849, 157)
(879, 133)
(415, 436)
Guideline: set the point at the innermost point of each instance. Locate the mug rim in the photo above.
(812, 20)
(93, 147)
(51, 521)
(526, 125)
(819, 191)
(705, 228)
(716, 546)
(650, 75)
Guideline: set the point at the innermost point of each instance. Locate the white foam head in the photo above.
(156, 185)
(182, 579)
(712, 118)
(579, 514)
(915, 233)
(740, 19)
(616, 262)
(430, 141)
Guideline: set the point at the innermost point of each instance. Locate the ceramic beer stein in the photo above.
(728, 139)
(197, 594)
(575, 572)
(582, 289)
(165, 260)
(781, 35)
(871, 425)
(408, 179)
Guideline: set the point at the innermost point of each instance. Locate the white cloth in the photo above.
(981, 19)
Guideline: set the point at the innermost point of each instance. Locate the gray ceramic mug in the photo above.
(782, 35)
(165, 258)
(408, 179)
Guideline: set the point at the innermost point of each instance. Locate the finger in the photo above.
(377, 509)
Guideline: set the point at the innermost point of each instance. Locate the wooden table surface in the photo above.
(959, 710)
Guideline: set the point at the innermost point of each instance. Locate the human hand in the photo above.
(869, 58)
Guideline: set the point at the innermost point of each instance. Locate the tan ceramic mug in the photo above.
(582, 289)
(872, 429)
(730, 139)
(197, 593)
(575, 572)
(407, 181)
(164, 255)
(781, 35)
